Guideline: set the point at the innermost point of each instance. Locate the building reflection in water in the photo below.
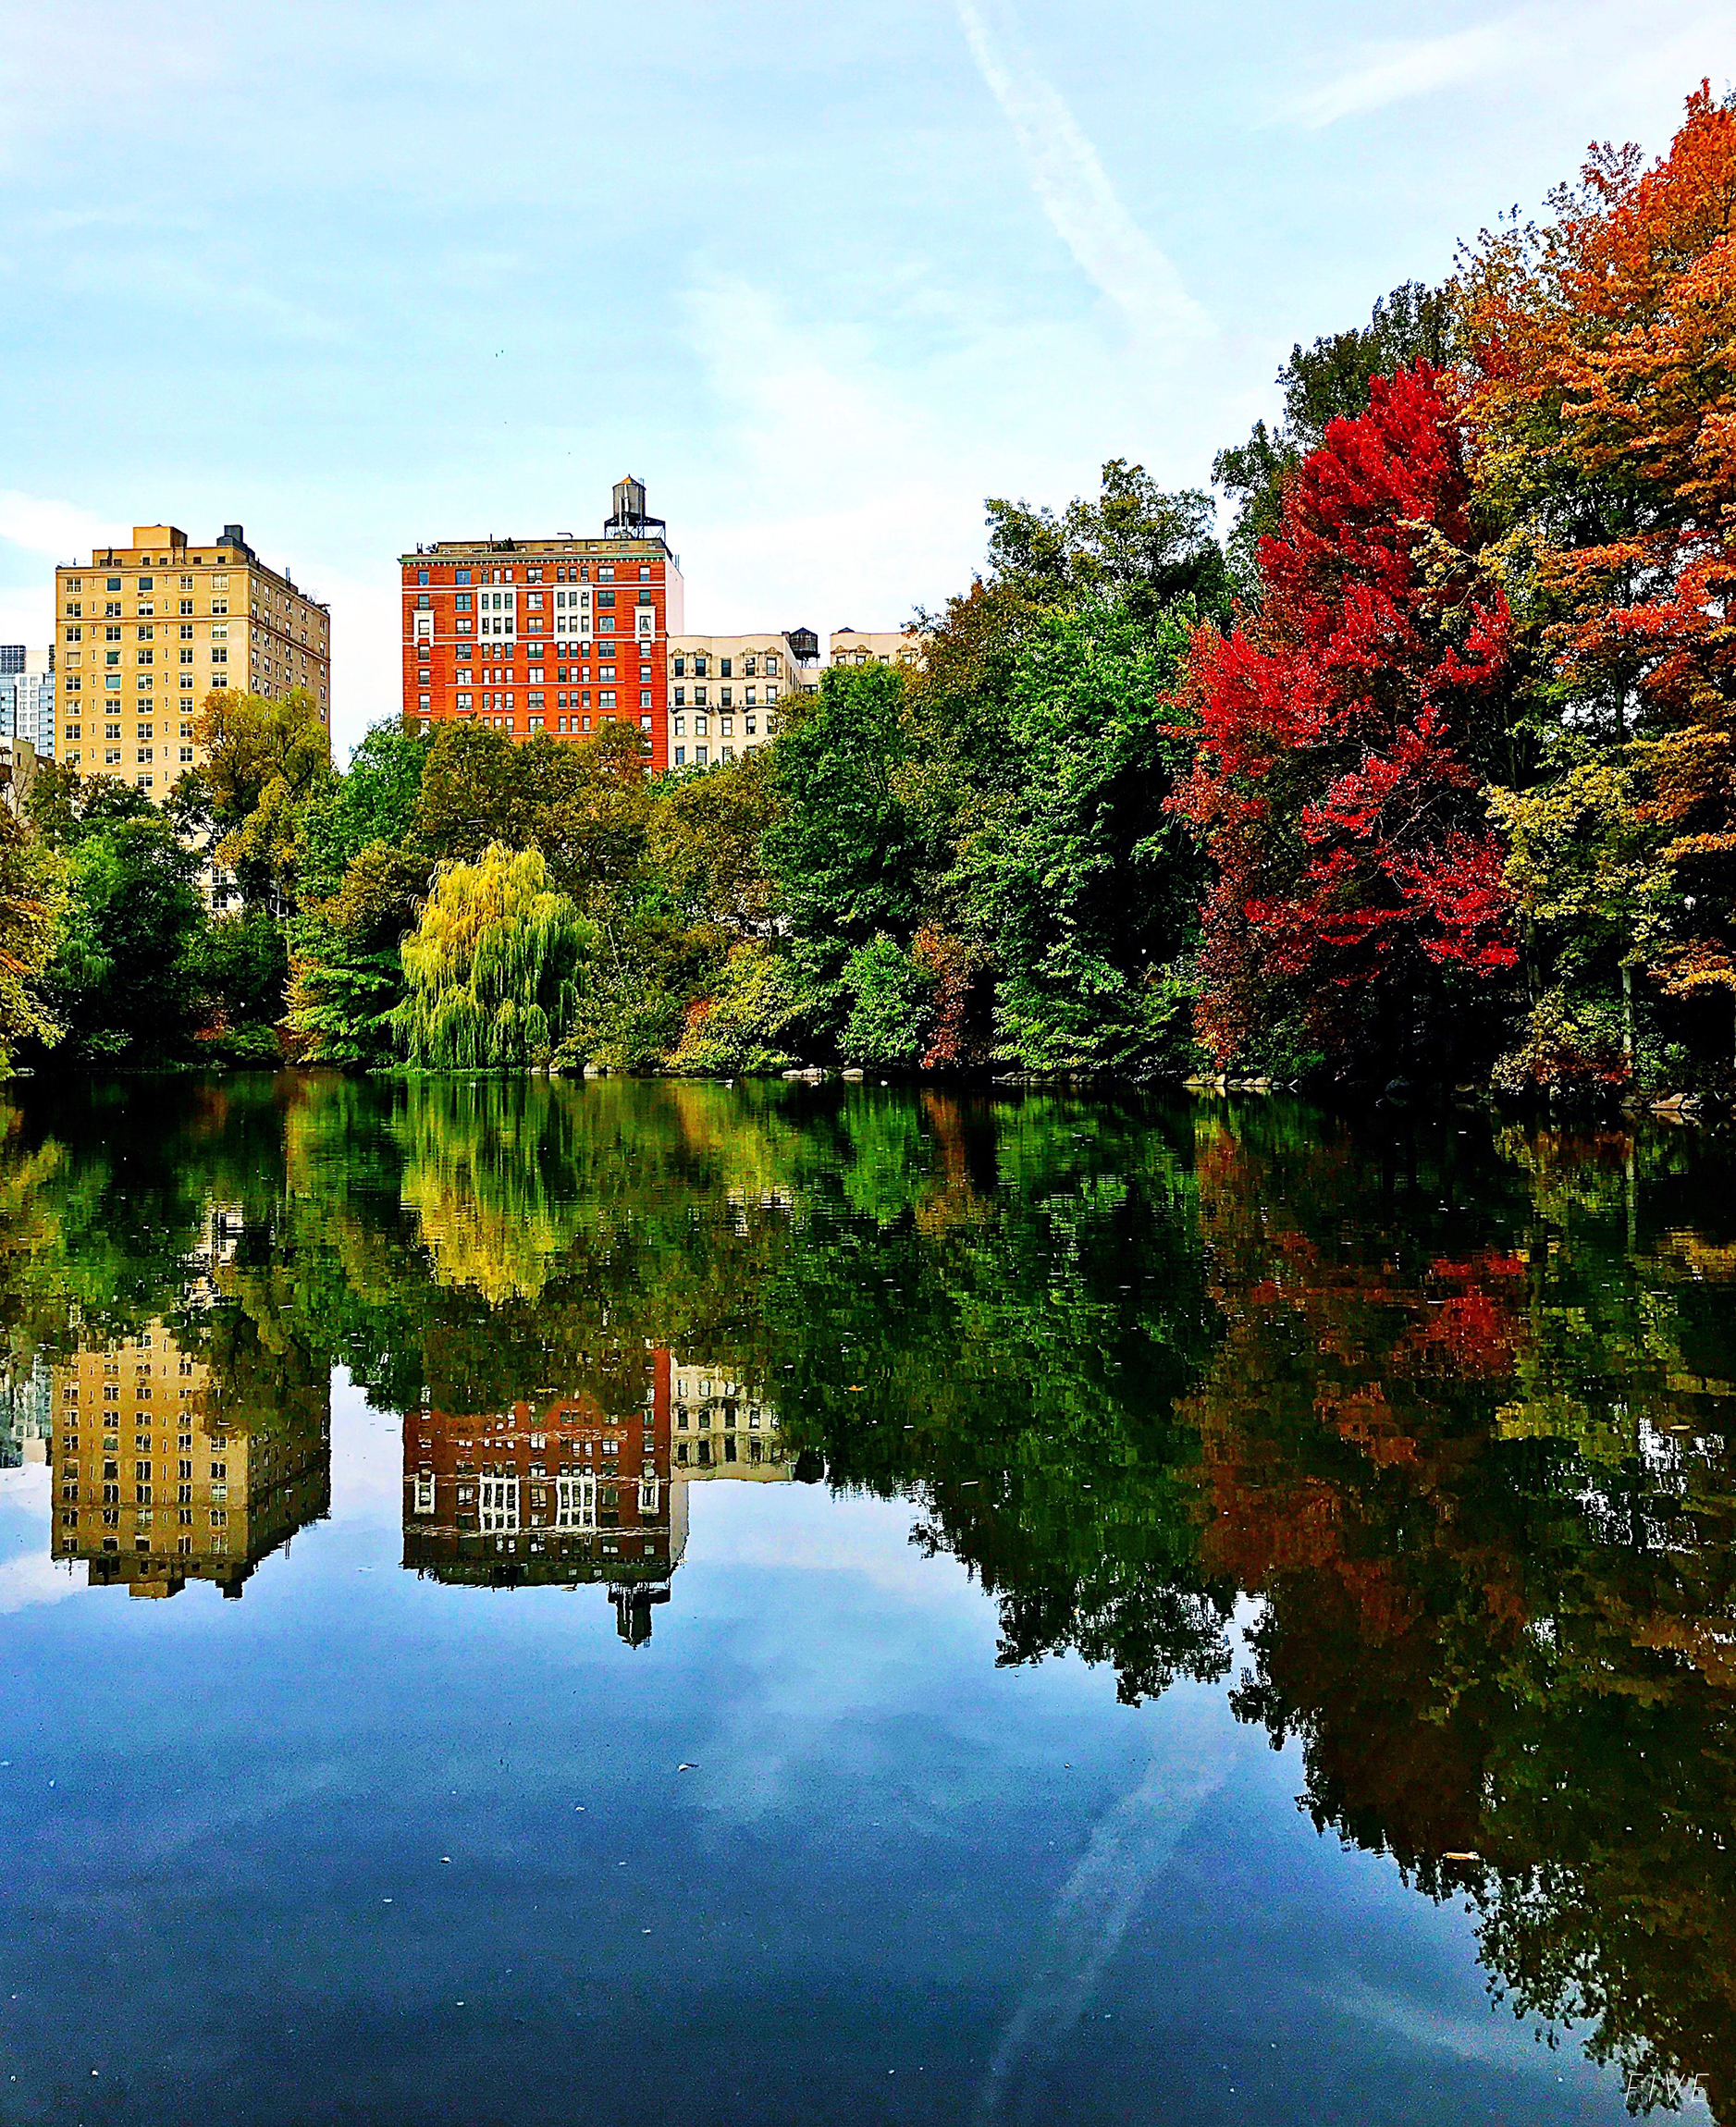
(157, 1479)
(191, 1452)
(562, 1490)
(720, 1429)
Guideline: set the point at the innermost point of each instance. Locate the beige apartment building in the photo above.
(154, 1485)
(724, 691)
(145, 632)
(876, 646)
(719, 1429)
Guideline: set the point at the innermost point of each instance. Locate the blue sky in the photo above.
(358, 276)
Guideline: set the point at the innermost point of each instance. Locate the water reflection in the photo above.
(161, 1469)
(1453, 1406)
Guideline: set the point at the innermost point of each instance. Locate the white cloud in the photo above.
(61, 530)
(47, 530)
(1391, 74)
(366, 654)
(1075, 190)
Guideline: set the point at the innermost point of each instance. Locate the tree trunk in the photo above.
(1627, 1015)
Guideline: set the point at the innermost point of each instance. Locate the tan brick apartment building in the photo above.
(145, 632)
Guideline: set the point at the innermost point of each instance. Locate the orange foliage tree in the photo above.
(1601, 416)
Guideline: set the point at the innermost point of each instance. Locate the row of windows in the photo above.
(561, 572)
(218, 582)
(726, 698)
(139, 731)
(726, 725)
(145, 632)
(701, 662)
(701, 757)
(145, 609)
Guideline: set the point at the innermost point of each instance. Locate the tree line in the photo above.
(1426, 769)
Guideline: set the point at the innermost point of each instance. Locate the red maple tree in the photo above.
(1358, 885)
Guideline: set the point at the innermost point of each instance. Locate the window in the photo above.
(680, 727)
(681, 697)
(771, 670)
(681, 668)
(699, 756)
(422, 577)
(681, 756)
(499, 1504)
(726, 669)
(461, 576)
(727, 694)
(699, 727)
(461, 603)
(111, 584)
(729, 726)
(749, 725)
(606, 573)
(645, 697)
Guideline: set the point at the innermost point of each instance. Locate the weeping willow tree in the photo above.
(492, 967)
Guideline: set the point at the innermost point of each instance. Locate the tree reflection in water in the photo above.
(1454, 1406)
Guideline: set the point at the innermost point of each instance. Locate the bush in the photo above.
(891, 1017)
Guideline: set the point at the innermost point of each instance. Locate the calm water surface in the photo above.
(621, 1604)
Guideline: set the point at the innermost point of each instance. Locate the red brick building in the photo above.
(559, 636)
(559, 1489)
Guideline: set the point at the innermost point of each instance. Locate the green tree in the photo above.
(705, 837)
(362, 871)
(376, 800)
(1136, 546)
(124, 981)
(841, 848)
(891, 1012)
(264, 760)
(585, 807)
(240, 963)
(32, 899)
(492, 966)
(1081, 884)
(1593, 897)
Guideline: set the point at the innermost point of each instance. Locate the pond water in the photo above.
(537, 1602)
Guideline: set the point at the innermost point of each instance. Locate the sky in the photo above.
(368, 275)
